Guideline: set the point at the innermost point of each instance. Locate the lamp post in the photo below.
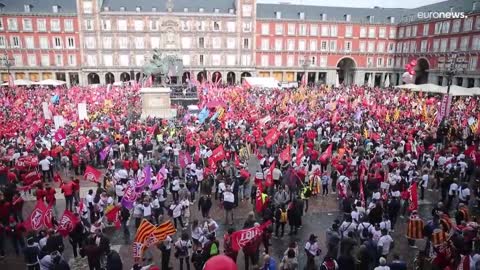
(305, 65)
(454, 67)
(8, 63)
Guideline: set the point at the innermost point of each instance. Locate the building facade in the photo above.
(105, 41)
(215, 39)
(40, 40)
(358, 43)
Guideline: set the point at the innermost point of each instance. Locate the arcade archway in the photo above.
(185, 77)
(231, 78)
(109, 78)
(124, 77)
(245, 74)
(216, 77)
(201, 76)
(346, 70)
(421, 71)
(93, 78)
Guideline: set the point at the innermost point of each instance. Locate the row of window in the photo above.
(45, 60)
(27, 25)
(30, 42)
(139, 60)
(289, 61)
(153, 25)
(327, 45)
(186, 42)
(444, 27)
(440, 45)
(325, 30)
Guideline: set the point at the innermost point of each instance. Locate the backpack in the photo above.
(283, 216)
(365, 231)
(214, 249)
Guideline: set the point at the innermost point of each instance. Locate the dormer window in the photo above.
(106, 8)
(348, 17)
(200, 10)
(474, 6)
(324, 16)
(216, 10)
(301, 15)
(278, 15)
(26, 8)
(185, 10)
(391, 19)
(370, 19)
(154, 9)
(122, 8)
(138, 9)
(231, 11)
(55, 8)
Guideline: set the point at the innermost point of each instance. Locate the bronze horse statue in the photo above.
(159, 66)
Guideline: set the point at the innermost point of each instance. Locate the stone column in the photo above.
(445, 81)
(331, 76)
(476, 82)
(359, 77)
(67, 77)
(465, 82)
(382, 79)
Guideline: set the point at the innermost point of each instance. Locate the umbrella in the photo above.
(337, 81)
(51, 82)
(387, 81)
(20, 83)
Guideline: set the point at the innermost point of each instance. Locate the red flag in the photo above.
(269, 176)
(237, 161)
(272, 137)
(67, 223)
(92, 174)
(326, 155)
(48, 217)
(212, 163)
(299, 155)
(60, 135)
(245, 237)
(57, 178)
(285, 155)
(35, 220)
(218, 154)
(259, 198)
(413, 197)
(197, 153)
(112, 213)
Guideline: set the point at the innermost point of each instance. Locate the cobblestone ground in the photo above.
(321, 214)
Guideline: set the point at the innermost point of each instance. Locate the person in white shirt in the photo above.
(313, 250)
(347, 226)
(147, 210)
(119, 190)
(186, 210)
(423, 185)
(45, 166)
(385, 243)
(176, 213)
(175, 188)
(383, 264)
(452, 193)
(463, 194)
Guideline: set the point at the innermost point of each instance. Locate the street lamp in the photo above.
(305, 65)
(455, 67)
(7, 62)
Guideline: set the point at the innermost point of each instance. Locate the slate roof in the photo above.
(359, 15)
(178, 5)
(38, 6)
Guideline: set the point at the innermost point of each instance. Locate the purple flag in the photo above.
(145, 179)
(129, 197)
(358, 115)
(105, 151)
(161, 176)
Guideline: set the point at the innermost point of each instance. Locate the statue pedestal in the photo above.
(156, 103)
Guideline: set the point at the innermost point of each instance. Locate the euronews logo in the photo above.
(441, 15)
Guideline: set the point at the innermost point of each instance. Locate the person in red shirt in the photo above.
(4, 210)
(135, 166)
(11, 176)
(67, 190)
(76, 190)
(126, 164)
(50, 195)
(76, 163)
(40, 193)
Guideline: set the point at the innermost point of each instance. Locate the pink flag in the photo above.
(60, 135)
(161, 176)
(184, 159)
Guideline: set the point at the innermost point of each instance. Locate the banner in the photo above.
(184, 159)
(161, 176)
(47, 114)
(58, 121)
(218, 154)
(67, 223)
(269, 176)
(48, 217)
(272, 137)
(244, 237)
(82, 111)
(413, 197)
(148, 235)
(105, 152)
(326, 155)
(91, 174)
(35, 220)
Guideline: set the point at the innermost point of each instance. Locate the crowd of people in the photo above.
(274, 150)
